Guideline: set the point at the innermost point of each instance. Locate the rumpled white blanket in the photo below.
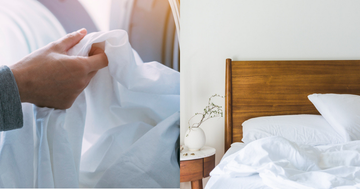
(120, 132)
(284, 164)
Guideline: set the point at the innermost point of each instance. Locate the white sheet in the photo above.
(283, 164)
(249, 182)
(234, 147)
(128, 116)
(224, 181)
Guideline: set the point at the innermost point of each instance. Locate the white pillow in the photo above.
(342, 111)
(302, 129)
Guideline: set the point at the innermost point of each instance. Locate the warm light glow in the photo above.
(99, 12)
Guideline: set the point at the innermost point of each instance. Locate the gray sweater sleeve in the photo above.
(11, 116)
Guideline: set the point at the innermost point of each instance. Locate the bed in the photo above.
(269, 88)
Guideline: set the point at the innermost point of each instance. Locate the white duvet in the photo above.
(284, 164)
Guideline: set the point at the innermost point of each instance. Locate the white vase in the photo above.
(195, 139)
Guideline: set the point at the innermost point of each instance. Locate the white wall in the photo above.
(213, 30)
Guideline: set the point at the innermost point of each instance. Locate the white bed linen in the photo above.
(300, 128)
(284, 164)
(220, 181)
(341, 111)
(234, 147)
(249, 182)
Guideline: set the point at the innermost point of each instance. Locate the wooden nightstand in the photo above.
(194, 166)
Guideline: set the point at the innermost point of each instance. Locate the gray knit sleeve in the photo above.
(11, 116)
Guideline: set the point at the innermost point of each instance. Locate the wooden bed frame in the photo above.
(264, 88)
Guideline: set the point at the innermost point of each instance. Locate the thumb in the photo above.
(71, 39)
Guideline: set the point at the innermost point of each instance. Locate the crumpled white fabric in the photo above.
(120, 132)
(126, 100)
(284, 164)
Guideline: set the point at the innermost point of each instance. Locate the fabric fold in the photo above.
(284, 164)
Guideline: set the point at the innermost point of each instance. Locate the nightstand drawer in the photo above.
(191, 170)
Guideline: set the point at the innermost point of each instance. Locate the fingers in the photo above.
(97, 58)
(71, 40)
(98, 61)
(97, 48)
(92, 74)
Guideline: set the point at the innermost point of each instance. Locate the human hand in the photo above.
(48, 77)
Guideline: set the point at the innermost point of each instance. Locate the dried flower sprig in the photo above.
(210, 111)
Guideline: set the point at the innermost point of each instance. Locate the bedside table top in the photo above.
(205, 151)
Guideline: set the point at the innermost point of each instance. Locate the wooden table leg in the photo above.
(197, 184)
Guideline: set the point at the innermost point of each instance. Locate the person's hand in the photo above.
(48, 77)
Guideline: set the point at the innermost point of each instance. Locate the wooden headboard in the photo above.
(264, 88)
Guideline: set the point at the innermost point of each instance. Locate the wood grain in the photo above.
(191, 170)
(264, 88)
(209, 164)
(197, 184)
(228, 105)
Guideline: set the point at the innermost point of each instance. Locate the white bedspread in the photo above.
(225, 181)
(284, 164)
(120, 132)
